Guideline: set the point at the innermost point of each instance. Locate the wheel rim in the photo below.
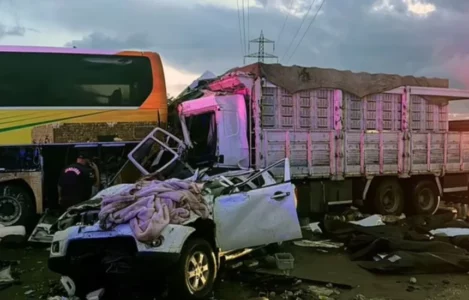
(390, 201)
(10, 207)
(426, 199)
(197, 271)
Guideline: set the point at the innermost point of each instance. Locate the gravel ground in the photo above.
(37, 282)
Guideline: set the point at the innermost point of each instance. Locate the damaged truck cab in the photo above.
(215, 128)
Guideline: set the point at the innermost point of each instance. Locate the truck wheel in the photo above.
(195, 273)
(388, 198)
(424, 199)
(16, 205)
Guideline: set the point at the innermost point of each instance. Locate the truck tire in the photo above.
(16, 205)
(195, 272)
(424, 199)
(388, 197)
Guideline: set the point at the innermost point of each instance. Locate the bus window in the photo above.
(68, 80)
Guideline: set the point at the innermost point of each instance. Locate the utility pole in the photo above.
(261, 54)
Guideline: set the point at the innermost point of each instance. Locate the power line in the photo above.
(244, 27)
(299, 28)
(285, 21)
(249, 44)
(243, 48)
(304, 34)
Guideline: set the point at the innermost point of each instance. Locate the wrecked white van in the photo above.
(248, 209)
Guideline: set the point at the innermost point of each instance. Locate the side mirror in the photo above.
(221, 159)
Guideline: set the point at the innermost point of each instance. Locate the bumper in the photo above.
(87, 250)
(141, 263)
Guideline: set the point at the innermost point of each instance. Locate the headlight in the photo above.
(55, 247)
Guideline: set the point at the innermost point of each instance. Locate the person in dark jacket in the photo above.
(76, 182)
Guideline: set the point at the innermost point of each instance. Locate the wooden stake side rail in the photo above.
(339, 154)
(315, 132)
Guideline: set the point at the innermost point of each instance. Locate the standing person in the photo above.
(76, 182)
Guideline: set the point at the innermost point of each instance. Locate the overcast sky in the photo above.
(408, 37)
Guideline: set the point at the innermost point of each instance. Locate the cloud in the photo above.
(98, 40)
(177, 80)
(11, 31)
(422, 37)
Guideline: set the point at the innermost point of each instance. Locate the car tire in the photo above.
(424, 199)
(388, 197)
(16, 205)
(196, 271)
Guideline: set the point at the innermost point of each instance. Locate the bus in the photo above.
(55, 102)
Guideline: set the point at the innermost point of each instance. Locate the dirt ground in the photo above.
(37, 282)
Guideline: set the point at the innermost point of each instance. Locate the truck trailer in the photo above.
(376, 140)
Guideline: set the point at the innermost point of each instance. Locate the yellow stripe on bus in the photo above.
(16, 126)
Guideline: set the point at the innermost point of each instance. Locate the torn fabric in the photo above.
(149, 206)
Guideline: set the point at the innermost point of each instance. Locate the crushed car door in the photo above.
(259, 216)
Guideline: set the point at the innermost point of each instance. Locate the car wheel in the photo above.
(16, 205)
(196, 271)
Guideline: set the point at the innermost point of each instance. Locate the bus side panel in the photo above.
(85, 131)
(68, 126)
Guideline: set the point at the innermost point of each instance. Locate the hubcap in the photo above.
(426, 199)
(197, 271)
(10, 207)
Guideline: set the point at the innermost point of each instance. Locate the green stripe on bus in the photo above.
(49, 121)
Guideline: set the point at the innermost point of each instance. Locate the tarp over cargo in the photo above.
(296, 78)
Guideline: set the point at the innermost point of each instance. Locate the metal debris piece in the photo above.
(318, 244)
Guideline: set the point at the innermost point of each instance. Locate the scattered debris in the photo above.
(96, 295)
(29, 292)
(6, 278)
(319, 244)
(285, 261)
(374, 220)
(12, 234)
(313, 227)
(251, 263)
(321, 291)
(413, 280)
(235, 265)
(5, 275)
(450, 232)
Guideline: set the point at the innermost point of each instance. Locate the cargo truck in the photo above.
(352, 138)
